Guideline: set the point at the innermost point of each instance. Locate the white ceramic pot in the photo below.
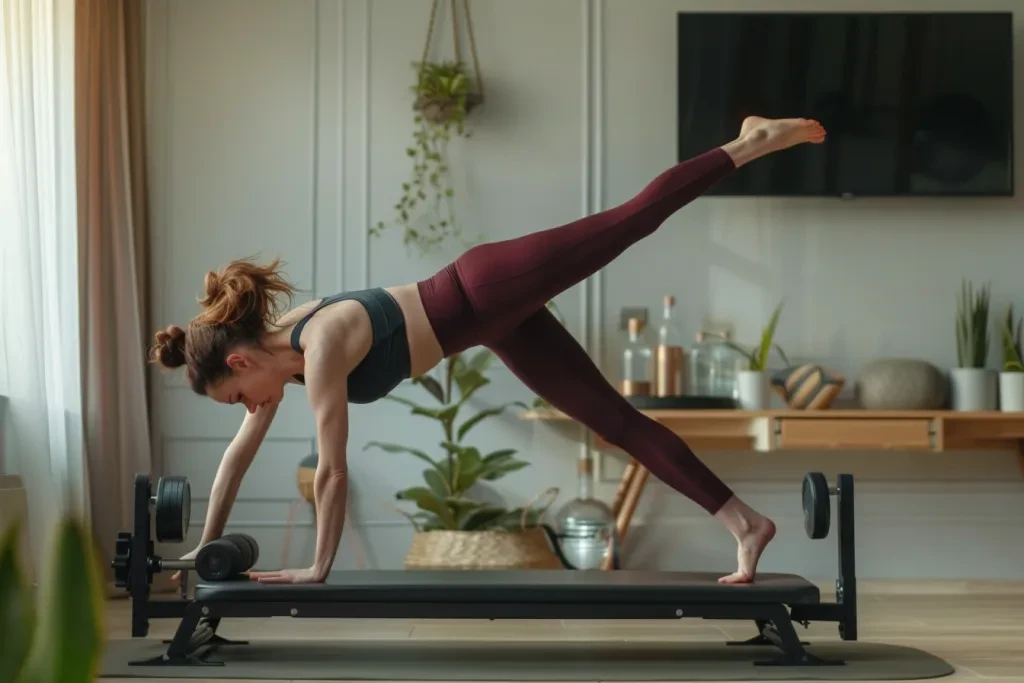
(974, 389)
(1011, 392)
(752, 389)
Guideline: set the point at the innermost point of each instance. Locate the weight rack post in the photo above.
(138, 581)
(844, 610)
(846, 582)
(134, 564)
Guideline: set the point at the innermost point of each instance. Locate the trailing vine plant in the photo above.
(444, 95)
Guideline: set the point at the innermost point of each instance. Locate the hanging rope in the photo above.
(472, 48)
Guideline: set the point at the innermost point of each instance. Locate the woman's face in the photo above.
(254, 381)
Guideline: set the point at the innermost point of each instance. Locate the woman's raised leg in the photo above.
(506, 281)
(547, 359)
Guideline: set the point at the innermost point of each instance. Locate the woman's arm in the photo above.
(330, 484)
(238, 456)
(236, 461)
(328, 363)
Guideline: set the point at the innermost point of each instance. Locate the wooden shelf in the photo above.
(834, 429)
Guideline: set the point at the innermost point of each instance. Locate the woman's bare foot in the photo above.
(753, 532)
(748, 552)
(760, 136)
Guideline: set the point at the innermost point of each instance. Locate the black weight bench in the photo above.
(773, 602)
(499, 591)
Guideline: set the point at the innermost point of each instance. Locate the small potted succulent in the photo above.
(752, 382)
(973, 386)
(1011, 377)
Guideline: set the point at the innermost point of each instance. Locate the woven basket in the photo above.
(529, 548)
(442, 549)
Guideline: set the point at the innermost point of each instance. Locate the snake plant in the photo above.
(972, 320)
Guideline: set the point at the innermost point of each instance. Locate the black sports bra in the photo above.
(387, 363)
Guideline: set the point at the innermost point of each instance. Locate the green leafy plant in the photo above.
(757, 356)
(1013, 361)
(443, 502)
(444, 96)
(972, 319)
(56, 636)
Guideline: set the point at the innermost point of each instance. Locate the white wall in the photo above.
(280, 128)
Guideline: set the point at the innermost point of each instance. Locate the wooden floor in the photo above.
(978, 627)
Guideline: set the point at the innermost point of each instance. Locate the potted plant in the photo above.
(53, 632)
(752, 382)
(444, 95)
(1011, 377)
(973, 386)
(454, 530)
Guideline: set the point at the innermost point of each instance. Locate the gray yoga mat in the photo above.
(419, 660)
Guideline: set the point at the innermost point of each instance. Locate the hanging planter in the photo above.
(444, 95)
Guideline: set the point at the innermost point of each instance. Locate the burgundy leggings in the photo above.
(494, 295)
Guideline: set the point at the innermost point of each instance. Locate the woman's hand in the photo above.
(288, 576)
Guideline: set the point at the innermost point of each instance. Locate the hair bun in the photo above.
(170, 347)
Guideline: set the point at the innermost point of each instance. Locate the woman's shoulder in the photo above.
(341, 328)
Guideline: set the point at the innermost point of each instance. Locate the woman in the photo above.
(357, 347)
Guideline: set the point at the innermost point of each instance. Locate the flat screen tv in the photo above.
(913, 103)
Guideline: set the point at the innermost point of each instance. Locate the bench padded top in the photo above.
(546, 586)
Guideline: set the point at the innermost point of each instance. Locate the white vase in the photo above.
(1011, 392)
(752, 389)
(973, 389)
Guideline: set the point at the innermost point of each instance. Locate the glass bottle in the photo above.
(700, 366)
(637, 362)
(670, 355)
(723, 363)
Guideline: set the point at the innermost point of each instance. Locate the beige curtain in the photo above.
(112, 257)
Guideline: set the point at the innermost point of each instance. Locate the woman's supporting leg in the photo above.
(549, 360)
(504, 282)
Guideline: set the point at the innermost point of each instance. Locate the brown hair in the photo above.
(240, 304)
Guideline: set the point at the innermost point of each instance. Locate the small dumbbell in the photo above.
(224, 558)
(227, 557)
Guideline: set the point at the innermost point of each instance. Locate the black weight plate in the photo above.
(254, 548)
(122, 561)
(817, 505)
(173, 509)
(218, 560)
(243, 547)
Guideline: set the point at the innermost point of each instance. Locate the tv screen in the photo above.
(913, 103)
